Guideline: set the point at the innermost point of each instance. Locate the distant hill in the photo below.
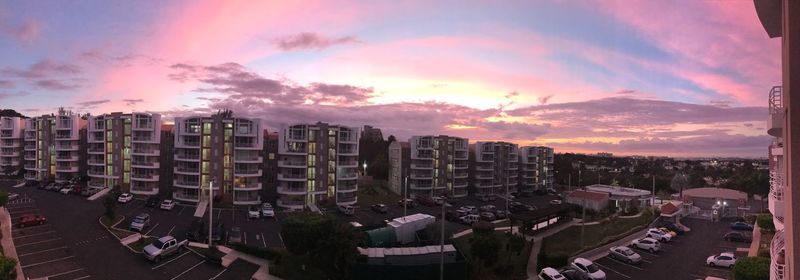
(11, 113)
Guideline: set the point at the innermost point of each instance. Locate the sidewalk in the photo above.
(537, 245)
(8, 243)
(263, 271)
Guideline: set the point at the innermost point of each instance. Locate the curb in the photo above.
(99, 220)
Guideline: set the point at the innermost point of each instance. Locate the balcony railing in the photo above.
(144, 175)
(291, 163)
(350, 199)
(778, 256)
(282, 176)
(776, 112)
(187, 156)
(185, 169)
(776, 185)
(286, 190)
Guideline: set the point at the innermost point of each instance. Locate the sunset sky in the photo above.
(678, 78)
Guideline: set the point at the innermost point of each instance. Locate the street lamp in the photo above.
(210, 211)
(365, 168)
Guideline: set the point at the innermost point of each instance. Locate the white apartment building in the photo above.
(536, 170)
(317, 164)
(11, 129)
(496, 168)
(438, 166)
(123, 152)
(222, 149)
(52, 144)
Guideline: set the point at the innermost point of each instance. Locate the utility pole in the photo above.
(210, 211)
(405, 196)
(653, 199)
(569, 186)
(583, 214)
(441, 246)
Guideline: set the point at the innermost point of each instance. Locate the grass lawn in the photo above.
(567, 242)
(376, 195)
(518, 263)
(120, 234)
(291, 266)
(139, 245)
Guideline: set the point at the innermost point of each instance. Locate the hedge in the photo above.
(751, 268)
(765, 222)
(264, 253)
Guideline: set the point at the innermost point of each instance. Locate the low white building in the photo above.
(622, 197)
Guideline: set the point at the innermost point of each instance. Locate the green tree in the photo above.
(484, 248)
(3, 198)
(679, 182)
(110, 203)
(8, 268)
(751, 268)
(301, 232)
(515, 244)
(330, 245)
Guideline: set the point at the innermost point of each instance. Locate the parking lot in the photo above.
(41, 250)
(682, 258)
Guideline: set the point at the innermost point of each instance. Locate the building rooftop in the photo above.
(588, 195)
(617, 190)
(715, 193)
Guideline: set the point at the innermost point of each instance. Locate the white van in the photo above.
(348, 210)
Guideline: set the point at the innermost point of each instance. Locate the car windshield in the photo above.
(626, 251)
(158, 244)
(592, 268)
(138, 220)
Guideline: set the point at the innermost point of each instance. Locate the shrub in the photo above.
(482, 227)
(265, 253)
(751, 268)
(765, 222)
(8, 268)
(764, 252)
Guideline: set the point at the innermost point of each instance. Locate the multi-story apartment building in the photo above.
(123, 152)
(11, 129)
(495, 168)
(317, 163)
(270, 177)
(536, 168)
(399, 158)
(220, 149)
(777, 175)
(52, 146)
(438, 166)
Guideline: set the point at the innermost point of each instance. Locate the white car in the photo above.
(648, 244)
(125, 198)
(470, 219)
(588, 268)
(624, 254)
(253, 212)
(66, 190)
(726, 259)
(12, 196)
(549, 273)
(167, 204)
(659, 235)
(267, 210)
(488, 208)
(470, 209)
(556, 201)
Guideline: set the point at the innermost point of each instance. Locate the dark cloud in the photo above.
(718, 144)
(5, 95)
(92, 104)
(132, 102)
(28, 32)
(544, 99)
(52, 84)
(308, 40)
(6, 84)
(41, 69)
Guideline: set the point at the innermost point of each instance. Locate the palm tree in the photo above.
(679, 182)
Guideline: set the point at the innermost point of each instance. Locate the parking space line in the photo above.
(38, 242)
(262, 240)
(46, 262)
(184, 272)
(181, 211)
(151, 229)
(23, 211)
(219, 213)
(169, 261)
(79, 278)
(170, 230)
(218, 274)
(617, 272)
(646, 252)
(42, 251)
(623, 263)
(281, 238)
(63, 273)
(35, 234)
(244, 234)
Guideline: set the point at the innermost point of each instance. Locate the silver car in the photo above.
(624, 254)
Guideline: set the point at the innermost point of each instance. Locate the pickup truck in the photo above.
(163, 247)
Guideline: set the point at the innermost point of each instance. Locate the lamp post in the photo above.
(365, 168)
(441, 245)
(210, 210)
(405, 196)
(583, 211)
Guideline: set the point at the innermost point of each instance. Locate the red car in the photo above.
(31, 220)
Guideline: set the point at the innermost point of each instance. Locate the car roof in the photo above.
(143, 215)
(165, 238)
(649, 239)
(582, 261)
(550, 271)
(727, 254)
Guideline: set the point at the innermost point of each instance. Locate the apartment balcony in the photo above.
(292, 177)
(144, 139)
(461, 175)
(347, 188)
(481, 176)
(292, 164)
(249, 159)
(67, 158)
(185, 197)
(186, 170)
(247, 172)
(30, 166)
(145, 164)
(250, 199)
(422, 176)
(776, 203)
(777, 112)
(462, 165)
(96, 151)
(248, 187)
(420, 186)
(96, 140)
(66, 136)
(144, 177)
(30, 176)
(144, 189)
(187, 157)
(96, 184)
(295, 151)
(96, 173)
(460, 184)
(9, 144)
(146, 152)
(186, 184)
(422, 166)
(30, 147)
(484, 185)
(291, 191)
(348, 163)
(96, 162)
(291, 204)
(459, 192)
(62, 147)
(9, 153)
(347, 176)
(484, 168)
(348, 152)
(247, 146)
(346, 200)
(187, 144)
(778, 256)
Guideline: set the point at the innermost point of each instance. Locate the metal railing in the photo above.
(776, 185)
(777, 247)
(776, 99)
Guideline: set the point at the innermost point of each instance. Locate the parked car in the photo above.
(549, 273)
(66, 190)
(470, 209)
(588, 268)
(406, 202)
(31, 220)
(12, 196)
(235, 235)
(451, 215)
(659, 235)
(556, 201)
(573, 274)
(673, 227)
(488, 216)
(486, 197)
(439, 200)
(380, 208)
(125, 198)
(500, 214)
(41, 186)
(737, 236)
(167, 204)
(726, 259)
(348, 210)
(267, 210)
(196, 231)
(163, 247)
(470, 219)
(151, 202)
(648, 244)
(140, 222)
(672, 234)
(741, 226)
(552, 191)
(424, 200)
(625, 254)
(253, 212)
(488, 208)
